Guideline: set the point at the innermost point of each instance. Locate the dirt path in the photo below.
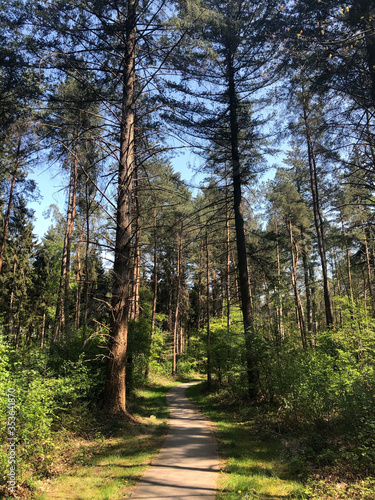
(187, 465)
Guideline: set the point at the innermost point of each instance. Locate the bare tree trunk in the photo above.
(307, 286)
(337, 287)
(368, 267)
(87, 267)
(349, 288)
(227, 234)
(299, 306)
(134, 306)
(209, 375)
(115, 390)
(79, 280)
(243, 274)
(268, 302)
(199, 313)
(42, 336)
(177, 310)
(280, 317)
(318, 219)
(62, 317)
(155, 297)
(11, 303)
(10, 202)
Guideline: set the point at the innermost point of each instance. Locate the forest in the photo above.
(258, 279)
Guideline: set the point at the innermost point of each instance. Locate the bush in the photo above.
(43, 403)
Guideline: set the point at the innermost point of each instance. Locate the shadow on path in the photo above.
(187, 465)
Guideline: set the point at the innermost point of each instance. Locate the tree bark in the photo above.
(79, 280)
(177, 309)
(10, 202)
(298, 302)
(243, 273)
(155, 297)
(368, 267)
(209, 375)
(227, 274)
(307, 287)
(318, 219)
(134, 311)
(280, 316)
(62, 316)
(115, 390)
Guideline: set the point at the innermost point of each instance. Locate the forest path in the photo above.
(187, 465)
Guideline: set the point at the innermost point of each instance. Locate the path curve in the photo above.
(187, 465)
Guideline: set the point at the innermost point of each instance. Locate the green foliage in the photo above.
(51, 398)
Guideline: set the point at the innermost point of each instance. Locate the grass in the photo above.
(104, 466)
(252, 465)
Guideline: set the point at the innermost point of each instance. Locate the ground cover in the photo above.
(258, 463)
(112, 457)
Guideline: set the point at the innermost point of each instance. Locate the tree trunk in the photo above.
(62, 316)
(307, 286)
(177, 310)
(299, 306)
(209, 377)
(115, 390)
(227, 273)
(134, 311)
(79, 280)
(199, 305)
(280, 317)
(240, 233)
(87, 267)
(155, 297)
(318, 219)
(268, 303)
(368, 267)
(350, 292)
(10, 202)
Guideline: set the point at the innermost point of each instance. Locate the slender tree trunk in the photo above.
(307, 286)
(10, 202)
(182, 341)
(299, 306)
(227, 234)
(350, 292)
(43, 332)
(280, 316)
(199, 313)
(209, 375)
(318, 219)
(115, 390)
(337, 287)
(240, 233)
(62, 317)
(87, 266)
(155, 292)
(134, 311)
(79, 280)
(12, 315)
(268, 302)
(368, 267)
(177, 310)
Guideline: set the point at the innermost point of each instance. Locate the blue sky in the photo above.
(53, 189)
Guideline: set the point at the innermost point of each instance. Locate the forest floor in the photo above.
(258, 464)
(106, 460)
(111, 458)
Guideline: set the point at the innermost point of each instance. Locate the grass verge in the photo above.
(260, 464)
(109, 461)
(252, 466)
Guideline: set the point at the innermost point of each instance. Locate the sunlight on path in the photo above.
(187, 465)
